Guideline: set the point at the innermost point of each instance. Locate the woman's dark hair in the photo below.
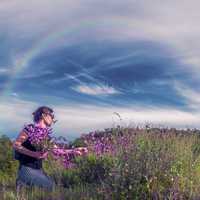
(37, 115)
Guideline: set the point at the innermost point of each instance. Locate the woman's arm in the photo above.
(78, 151)
(17, 145)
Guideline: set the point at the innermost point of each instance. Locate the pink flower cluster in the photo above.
(67, 155)
(106, 142)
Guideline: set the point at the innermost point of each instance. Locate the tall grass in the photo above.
(126, 163)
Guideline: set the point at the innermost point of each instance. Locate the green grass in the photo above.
(154, 164)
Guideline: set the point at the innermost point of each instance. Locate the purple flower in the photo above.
(37, 135)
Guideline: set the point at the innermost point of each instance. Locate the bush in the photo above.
(8, 165)
(70, 178)
(93, 169)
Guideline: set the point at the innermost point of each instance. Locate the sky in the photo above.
(93, 60)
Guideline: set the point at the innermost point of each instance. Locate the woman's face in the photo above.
(48, 119)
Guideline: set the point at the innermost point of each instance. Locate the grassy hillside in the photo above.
(122, 163)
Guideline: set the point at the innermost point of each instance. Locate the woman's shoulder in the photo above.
(28, 127)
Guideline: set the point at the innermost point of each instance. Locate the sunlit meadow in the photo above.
(121, 163)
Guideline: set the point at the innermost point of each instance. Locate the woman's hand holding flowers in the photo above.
(79, 151)
(40, 155)
(83, 150)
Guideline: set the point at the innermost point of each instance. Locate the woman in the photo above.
(30, 170)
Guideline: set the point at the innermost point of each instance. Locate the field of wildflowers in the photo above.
(120, 163)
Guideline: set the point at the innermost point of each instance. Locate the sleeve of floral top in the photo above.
(27, 128)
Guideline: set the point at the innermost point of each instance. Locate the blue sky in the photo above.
(87, 61)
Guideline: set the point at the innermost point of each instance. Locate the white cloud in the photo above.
(79, 119)
(95, 89)
(14, 114)
(75, 119)
(191, 95)
(5, 71)
(14, 94)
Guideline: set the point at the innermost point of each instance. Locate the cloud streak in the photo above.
(191, 96)
(95, 90)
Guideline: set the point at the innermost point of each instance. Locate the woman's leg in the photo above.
(34, 177)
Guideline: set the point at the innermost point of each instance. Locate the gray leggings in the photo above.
(33, 177)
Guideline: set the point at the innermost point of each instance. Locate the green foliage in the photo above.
(155, 165)
(196, 146)
(70, 178)
(92, 169)
(8, 165)
(79, 142)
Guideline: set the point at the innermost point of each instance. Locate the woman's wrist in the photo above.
(26, 151)
(35, 154)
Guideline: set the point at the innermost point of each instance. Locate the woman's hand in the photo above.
(83, 150)
(73, 151)
(79, 151)
(76, 151)
(40, 155)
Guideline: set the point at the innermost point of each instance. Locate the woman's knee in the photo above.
(47, 182)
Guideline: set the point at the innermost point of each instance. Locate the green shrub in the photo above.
(93, 169)
(8, 166)
(79, 142)
(70, 178)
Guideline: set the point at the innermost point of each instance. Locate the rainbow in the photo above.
(48, 39)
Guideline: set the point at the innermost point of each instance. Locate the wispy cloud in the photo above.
(4, 71)
(15, 113)
(14, 94)
(35, 74)
(95, 90)
(156, 21)
(191, 96)
(67, 77)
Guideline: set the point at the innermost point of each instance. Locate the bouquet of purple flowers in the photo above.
(38, 136)
(41, 139)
